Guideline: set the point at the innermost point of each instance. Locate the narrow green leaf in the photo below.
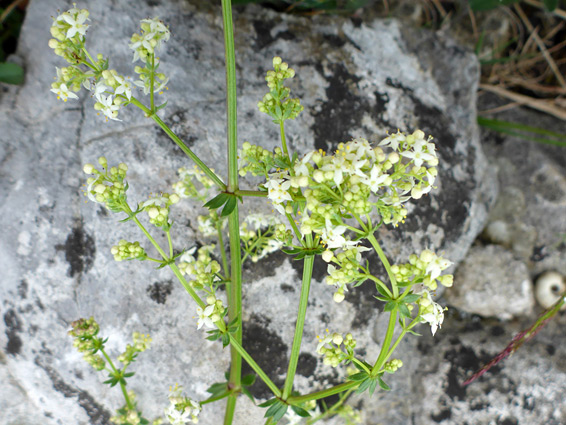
(372, 386)
(229, 207)
(390, 306)
(363, 386)
(300, 411)
(280, 413)
(411, 298)
(382, 384)
(515, 129)
(248, 379)
(225, 340)
(382, 292)
(404, 311)
(217, 388)
(358, 376)
(246, 392)
(268, 402)
(217, 201)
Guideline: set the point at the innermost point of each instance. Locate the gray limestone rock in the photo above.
(355, 78)
(492, 283)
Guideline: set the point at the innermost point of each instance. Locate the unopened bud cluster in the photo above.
(129, 414)
(336, 348)
(256, 160)
(277, 103)
(425, 268)
(128, 251)
(141, 343)
(392, 366)
(85, 340)
(108, 186)
(344, 270)
(157, 209)
(202, 270)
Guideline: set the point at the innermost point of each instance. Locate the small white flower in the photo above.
(393, 141)
(109, 108)
(277, 191)
(376, 178)
(436, 266)
(332, 235)
(124, 87)
(204, 317)
(76, 21)
(64, 93)
(420, 152)
(434, 313)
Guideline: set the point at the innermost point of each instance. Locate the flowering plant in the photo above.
(327, 204)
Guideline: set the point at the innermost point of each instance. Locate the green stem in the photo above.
(186, 285)
(122, 385)
(250, 361)
(303, 301)
(323, 393)
(94, 67)
(385, 261)
(226, 270)
(254, 193)
(209, 173)
(170, 243)
(230, 409)
(152, 82)
(284, 141)
(380, 283)
(298, 234)
(235, 293)
(383, 354)
(128, 210)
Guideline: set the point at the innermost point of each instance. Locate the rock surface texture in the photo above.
(355, 79)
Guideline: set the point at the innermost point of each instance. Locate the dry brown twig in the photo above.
(538, 104)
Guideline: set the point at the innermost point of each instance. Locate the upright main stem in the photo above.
(295, 350)
(235, 287)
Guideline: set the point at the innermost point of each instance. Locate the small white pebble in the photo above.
(549, 287)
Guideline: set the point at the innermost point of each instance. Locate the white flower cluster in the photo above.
(153, 34)
(357, 178)
(422, 273)
(110, 90)
(187, 187)
(70, 26)
(181, 410)
(107, 187)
